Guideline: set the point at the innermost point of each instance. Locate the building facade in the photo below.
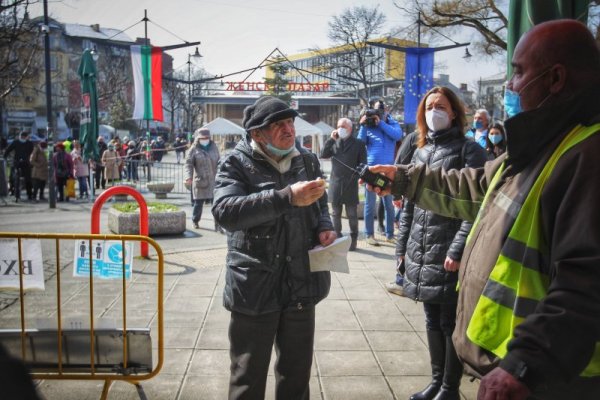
(25, 107)
(321, 84)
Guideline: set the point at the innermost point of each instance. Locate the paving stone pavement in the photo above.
(369, 344)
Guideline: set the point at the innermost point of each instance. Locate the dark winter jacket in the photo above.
(63, 164)
(22, 152)
(427, 238)
(267, 237)
(343, 184)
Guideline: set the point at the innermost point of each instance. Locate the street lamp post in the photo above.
(370, 57)
(49, 116)
(92, 185)
(189, 63)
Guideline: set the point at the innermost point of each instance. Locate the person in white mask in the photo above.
(346, 153)
(201, 168)
(431, 245)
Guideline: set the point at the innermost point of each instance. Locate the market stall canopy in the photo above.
(304, 128)
(222, 126)
(326, 129)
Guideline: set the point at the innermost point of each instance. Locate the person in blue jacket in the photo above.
(380, 132)
(481, 124)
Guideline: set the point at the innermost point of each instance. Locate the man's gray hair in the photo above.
(486, 113)
(345, 121)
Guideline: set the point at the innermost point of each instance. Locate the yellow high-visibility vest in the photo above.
(519, 280)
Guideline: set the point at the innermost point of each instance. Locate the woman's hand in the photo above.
(451, 265)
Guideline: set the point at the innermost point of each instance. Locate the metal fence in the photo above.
(138, 174)
(89, 324)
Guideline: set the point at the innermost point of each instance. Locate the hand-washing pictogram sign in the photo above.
(107, 259)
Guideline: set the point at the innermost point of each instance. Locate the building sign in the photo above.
(265, 87)
(31, 264)
(107, 259)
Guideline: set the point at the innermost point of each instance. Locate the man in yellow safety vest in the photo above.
(528, 317)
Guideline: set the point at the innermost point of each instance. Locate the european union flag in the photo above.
(418, 79)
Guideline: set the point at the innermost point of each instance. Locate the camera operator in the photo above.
(380, 132)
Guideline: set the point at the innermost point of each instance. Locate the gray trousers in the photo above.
(336, 217)
(251, 341)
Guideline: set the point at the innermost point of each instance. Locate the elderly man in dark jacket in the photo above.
(346, 153)
(272, 202)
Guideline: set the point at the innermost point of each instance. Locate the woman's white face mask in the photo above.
(437, 120)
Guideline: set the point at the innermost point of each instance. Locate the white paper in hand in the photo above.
(331, 258)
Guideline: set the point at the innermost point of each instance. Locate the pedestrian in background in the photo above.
(181, 145)
(81, 170)
(346, 153)
(481, 124)
(380, 132)
(496, 141)
(99, 177)
(200, 169)
(63, 170)
(111, 161)
(269, 197)
(68, 144)
(431, 245)
(39, 169)
(21, 167)
(159, 149)
(132, 159)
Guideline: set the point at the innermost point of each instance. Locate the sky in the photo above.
(239, 34)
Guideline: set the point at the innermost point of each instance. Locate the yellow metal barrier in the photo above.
(69, 365)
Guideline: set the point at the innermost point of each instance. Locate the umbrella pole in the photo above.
(92, 185)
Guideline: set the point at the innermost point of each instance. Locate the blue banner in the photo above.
(418, 80)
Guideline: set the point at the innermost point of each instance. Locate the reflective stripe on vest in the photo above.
(519, 280)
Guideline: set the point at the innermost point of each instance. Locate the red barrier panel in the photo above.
(115, 190)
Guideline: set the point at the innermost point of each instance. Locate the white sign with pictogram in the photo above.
(107, 259)
(32, 264)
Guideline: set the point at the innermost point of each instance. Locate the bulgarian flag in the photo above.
(147, 77)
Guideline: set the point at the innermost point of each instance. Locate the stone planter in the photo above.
(160, 223)
(160, 189)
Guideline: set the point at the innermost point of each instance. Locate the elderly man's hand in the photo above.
(327, 237)
(305, 193)
(500, 385)
(387, 170)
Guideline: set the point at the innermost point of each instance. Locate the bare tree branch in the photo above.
(350, 30)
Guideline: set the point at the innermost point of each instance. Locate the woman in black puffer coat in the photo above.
(431, 245)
